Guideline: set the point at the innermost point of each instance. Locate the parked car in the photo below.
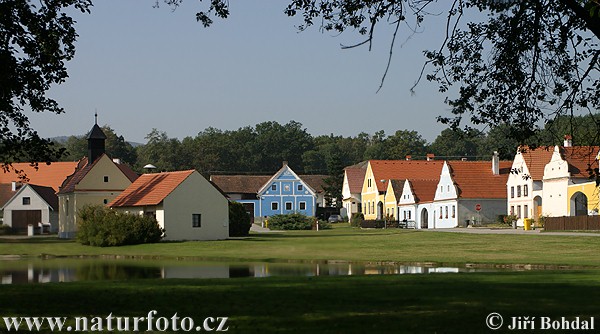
(335, 219)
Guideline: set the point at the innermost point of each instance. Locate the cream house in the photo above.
(97, 180)
(524, 187)
(184, 203)
(354, 177)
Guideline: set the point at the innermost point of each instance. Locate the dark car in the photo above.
(335, 219)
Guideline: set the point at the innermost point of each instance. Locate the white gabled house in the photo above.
(184, 203)
(415, 204)
(32, 205)
(354, 177)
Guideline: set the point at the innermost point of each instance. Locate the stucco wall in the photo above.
(196, 196)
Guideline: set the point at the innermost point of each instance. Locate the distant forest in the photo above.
(262, 148)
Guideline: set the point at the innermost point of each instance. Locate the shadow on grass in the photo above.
(443, 303)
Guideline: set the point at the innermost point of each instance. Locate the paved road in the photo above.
(481, 230)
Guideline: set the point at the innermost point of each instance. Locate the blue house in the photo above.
(284, 192)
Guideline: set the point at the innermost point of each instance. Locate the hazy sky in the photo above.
(143, 68)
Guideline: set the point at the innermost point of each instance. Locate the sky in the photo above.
(141, 68)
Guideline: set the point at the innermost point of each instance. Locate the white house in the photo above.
(354, 177)
(184, 203)
(415, 204)
(32, 204)
(524, 187)
(471, 190)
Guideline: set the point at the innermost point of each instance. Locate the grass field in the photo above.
(434, 303)
(344, 243)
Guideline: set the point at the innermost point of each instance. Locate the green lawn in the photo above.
(433, 303)
(344, 243)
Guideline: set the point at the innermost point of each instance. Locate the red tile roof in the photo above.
(476, 180)
(423, 190)
(536, 159)
(51, 175)
(580, 159)
(404, 170)
(150, 189)
(83, 168)
(355, 175)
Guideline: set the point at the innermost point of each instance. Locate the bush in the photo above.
(323, 225)
(5, 229)
(100, 226)
(356, 219)
(294, 221)
(239, 220)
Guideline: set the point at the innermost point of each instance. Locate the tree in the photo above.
(36, 39)
(457, 143)
(116, 147)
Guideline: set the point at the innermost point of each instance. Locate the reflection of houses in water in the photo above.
(37, 275)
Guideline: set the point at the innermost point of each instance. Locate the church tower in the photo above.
(96, 140)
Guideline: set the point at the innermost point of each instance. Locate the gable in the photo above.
(39, 195)
(285, 177)
(103, 175)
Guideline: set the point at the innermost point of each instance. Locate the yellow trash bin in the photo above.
(527, 222)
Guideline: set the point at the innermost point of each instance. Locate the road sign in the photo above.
(477, 207)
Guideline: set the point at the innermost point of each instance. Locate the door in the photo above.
(22, 218)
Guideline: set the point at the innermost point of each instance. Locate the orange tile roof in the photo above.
(536, 159)
(356, 176)
(580, 159)
(403, 170)
(150, 189)
(476, 180)
(51, 175)
(423, 190)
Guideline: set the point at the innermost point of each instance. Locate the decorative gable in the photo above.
(286, 182)
(446, 188)
(557, 167)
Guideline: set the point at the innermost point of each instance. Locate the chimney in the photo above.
(463, 159)
(285, 163)
(117, 161)
(14, 186)
(430, 156)
(568, 141)
(408, 157)
(495, 163)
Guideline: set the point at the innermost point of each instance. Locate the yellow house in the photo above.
(380, 172)
(393, 194)
(583, 199)
(97, 180)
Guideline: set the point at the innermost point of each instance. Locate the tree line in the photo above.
(262, 148)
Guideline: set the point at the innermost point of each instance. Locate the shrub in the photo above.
(324, 225)
(239, 220)
(356, 219)
(100, 226)
(293, 221)
(5, 229)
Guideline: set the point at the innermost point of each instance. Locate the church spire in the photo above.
(96, 141)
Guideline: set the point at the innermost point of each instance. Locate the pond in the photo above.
(71, 270)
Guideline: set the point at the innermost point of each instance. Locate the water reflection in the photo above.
(70, 270)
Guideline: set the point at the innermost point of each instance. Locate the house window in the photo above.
(409, 214)
(105, 179)
(274, 206)
(369, 183)
(525, 211)
(441, 190)
(288, 206)
(512, 210)
(404, 216)
(448, 188)
(105, 201)
(273, 187)
(441, 214)
(512, 192)
(525, 191)
(454, 211)
(302, 205)
(196, 219)
(518, 211)
(518, 191)
(26, 200)
(300, 187)
(446, 211)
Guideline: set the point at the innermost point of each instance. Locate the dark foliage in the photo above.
(239, 220)
(294, 221)
(100, 226)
